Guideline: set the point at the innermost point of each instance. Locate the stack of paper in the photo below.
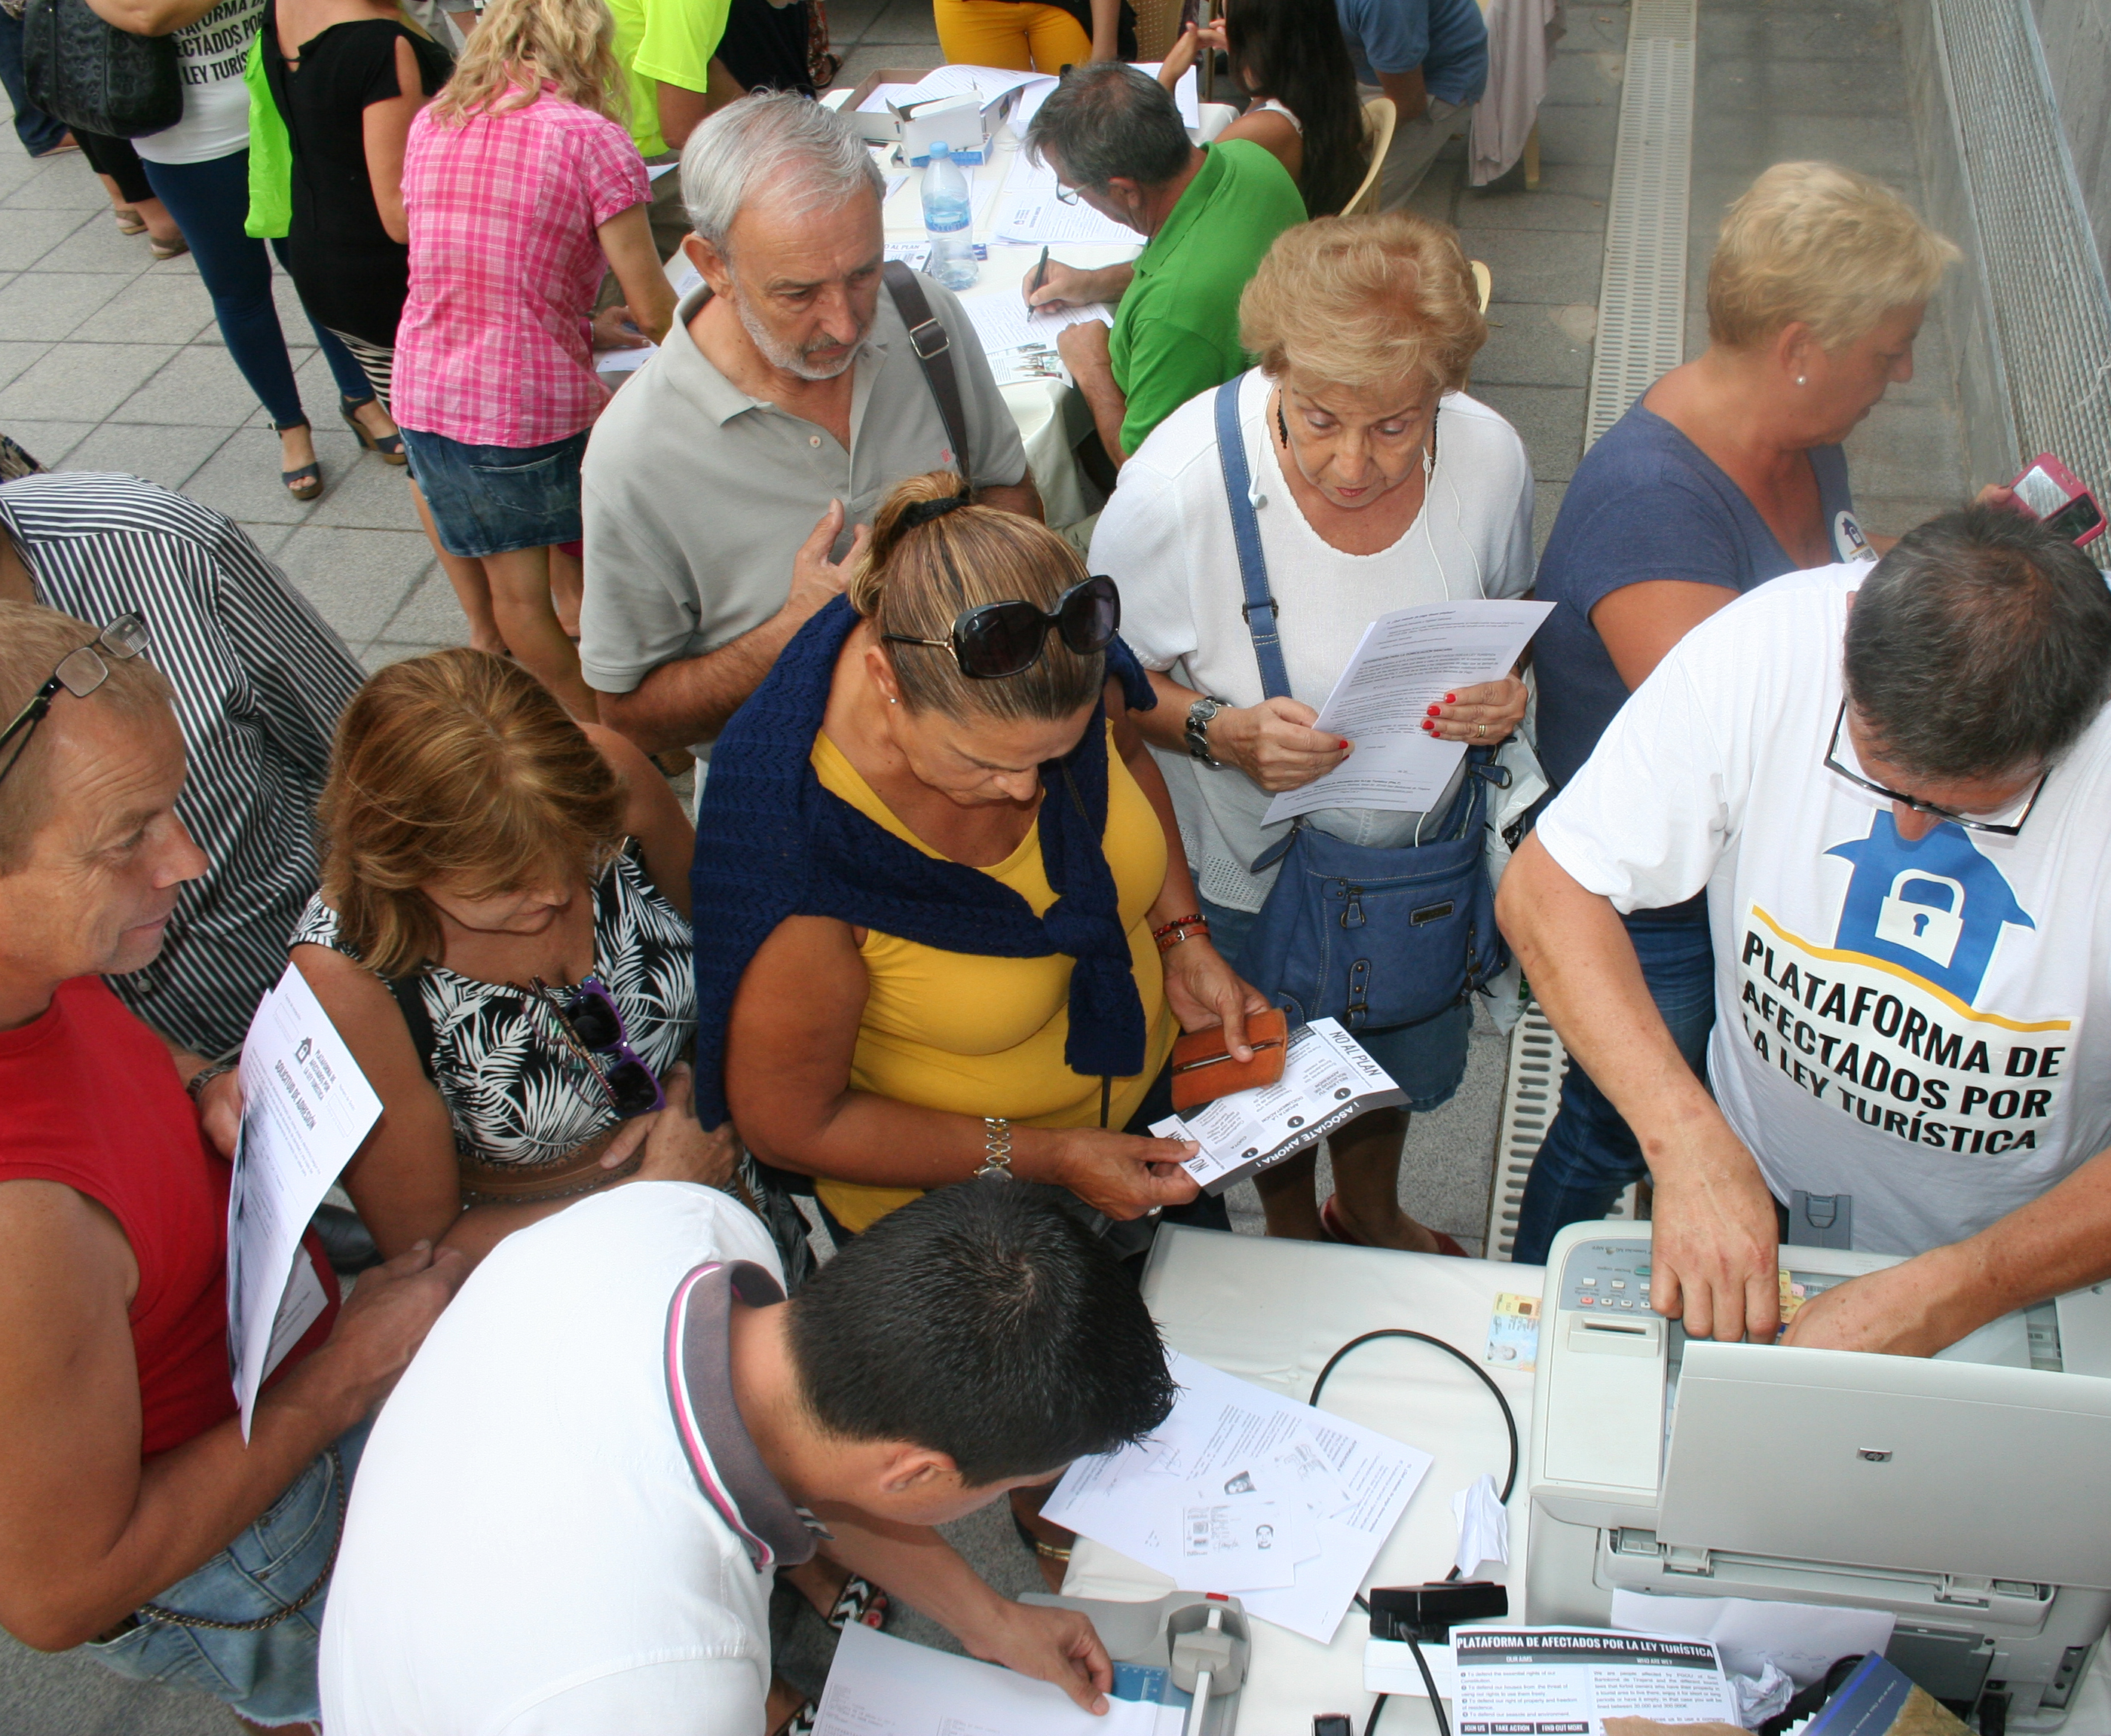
(882, 1686)
(1574, 1679)
(1243, 1490)
(1028, 214)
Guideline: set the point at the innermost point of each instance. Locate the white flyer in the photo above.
(1235, 1439)
(1572, 1680)
(1328, 1081)
(1028, 212)
(306, 1106)
(880, 1686)
(1405, 663)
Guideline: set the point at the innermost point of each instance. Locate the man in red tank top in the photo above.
(132, 1516)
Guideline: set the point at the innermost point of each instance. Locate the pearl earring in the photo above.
(892, 701)
(1802, 380)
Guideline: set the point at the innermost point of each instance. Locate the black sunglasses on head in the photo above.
(994, 640)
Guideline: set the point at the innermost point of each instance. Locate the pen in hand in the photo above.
(1039, 276)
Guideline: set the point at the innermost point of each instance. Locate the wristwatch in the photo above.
(997, 1136)
(1198, 726)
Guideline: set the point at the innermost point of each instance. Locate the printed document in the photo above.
(1405, 663)
(1804, 1640)
(1572, 1680)
(1232, 1449)
(880, 1686)
(1328, 1081)
(1028, 212)
(1003, 321)
(306, 1106)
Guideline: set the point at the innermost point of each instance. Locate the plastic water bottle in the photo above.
(947, 213)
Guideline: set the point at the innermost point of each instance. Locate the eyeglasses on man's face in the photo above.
(2006, 829)
(79, 673)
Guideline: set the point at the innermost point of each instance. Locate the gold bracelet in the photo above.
(996, 1133)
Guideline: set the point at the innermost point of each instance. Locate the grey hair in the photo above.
(1106, 119)
(806, 156)
(1981, 646)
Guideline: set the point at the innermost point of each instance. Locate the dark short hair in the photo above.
(1107, 119)
(985, 1322)
(1981, 644)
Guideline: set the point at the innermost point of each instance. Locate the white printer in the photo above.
(1968, 1494)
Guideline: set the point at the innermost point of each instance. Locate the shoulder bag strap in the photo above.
(1260, 609)
(934, 354)
(410, 996)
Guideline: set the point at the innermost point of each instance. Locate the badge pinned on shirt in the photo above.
(1847, 541)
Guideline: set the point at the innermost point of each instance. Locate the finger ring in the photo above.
(1480, 729)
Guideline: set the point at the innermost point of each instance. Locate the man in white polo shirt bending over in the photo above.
(568, 1516)
(1898, 800)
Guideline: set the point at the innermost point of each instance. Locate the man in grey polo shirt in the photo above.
(787, 393)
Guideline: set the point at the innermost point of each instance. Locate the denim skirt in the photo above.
(493, 499)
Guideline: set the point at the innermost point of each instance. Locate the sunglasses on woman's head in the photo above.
(994, 640)
(590, 1021)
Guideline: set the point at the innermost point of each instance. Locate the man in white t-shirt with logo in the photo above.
(569, 1514)
(1898, 800)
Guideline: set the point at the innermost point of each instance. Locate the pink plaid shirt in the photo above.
(494, 348)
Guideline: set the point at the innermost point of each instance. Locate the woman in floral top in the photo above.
(502, 939)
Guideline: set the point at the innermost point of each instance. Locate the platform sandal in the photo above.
(387, 447)
(306, 483)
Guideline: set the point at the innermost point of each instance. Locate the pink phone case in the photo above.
(2047, 489)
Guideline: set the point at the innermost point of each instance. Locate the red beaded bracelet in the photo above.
(1179, 929)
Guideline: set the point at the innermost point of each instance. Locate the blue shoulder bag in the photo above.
(1375, 938)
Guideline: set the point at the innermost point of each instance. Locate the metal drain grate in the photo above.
(1532, 1092)
(1642, 298)
(2043, 283)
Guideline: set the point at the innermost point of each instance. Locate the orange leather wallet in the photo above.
(1204, 1070)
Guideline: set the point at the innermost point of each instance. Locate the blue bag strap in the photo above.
(1259, 609)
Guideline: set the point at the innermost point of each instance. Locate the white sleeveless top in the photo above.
(1269, 105)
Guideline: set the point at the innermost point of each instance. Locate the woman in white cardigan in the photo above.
(1378, 485)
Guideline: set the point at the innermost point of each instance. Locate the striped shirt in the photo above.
(259, 682)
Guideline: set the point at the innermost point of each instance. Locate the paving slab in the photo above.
(97, 244)
(1579, 133)
(361, 491)
(27, 236)
(357, 579)
(15, 357)
(1554, 267)
(1727, 84)
(63, 184)
(47, 442)
(1548, 418)
(1570, 198)
(241, 479)
(1535, 344)
(152, 307)
(1877, 144)
(431, 616)
(200, 384)
(72, 381)
(53, 304)
(862, 61)
(170, 455)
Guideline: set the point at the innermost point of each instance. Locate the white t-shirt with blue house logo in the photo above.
(1922, 1026)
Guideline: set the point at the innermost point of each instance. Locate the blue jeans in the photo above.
(1427, 1061)
(211, 203)
(267, 1675)
(495, 500)
(1589, 1156)
(37, 131)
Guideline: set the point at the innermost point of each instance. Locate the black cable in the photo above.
(1509, 1482)
(1479, 1373)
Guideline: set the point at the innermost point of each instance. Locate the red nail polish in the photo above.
(1451, 699)
(1428, 727)
(1343, 744)
(1433, 711)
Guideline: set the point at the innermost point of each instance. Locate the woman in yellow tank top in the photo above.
(882, 1065)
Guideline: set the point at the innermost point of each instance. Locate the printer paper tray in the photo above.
(2007, 1608)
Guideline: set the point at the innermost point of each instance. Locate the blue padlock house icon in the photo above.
(1933, 930)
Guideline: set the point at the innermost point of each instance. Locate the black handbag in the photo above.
(96, 78)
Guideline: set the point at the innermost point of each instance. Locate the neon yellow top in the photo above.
(629, 16)
(973, 1035)
(675, 42)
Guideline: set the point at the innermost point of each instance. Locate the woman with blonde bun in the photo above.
(952, 930)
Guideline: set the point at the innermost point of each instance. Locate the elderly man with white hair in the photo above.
(728, 486)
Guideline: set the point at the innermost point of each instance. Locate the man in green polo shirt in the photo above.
(1114, 137)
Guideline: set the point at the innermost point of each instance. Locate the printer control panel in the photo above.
(1612, 1275)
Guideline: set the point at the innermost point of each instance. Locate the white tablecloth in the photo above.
(1272, 1312)
(1051, 416)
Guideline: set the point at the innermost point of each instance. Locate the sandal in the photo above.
(859, 1601)
(387, 447)
(307, 483)
(168, 249)
(801, 1722)
(1335, 1230)
(130, 222)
